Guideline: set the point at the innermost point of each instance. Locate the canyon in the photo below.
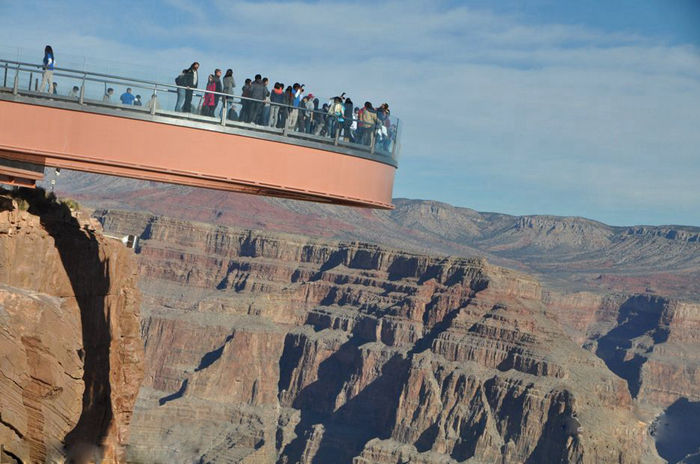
(362, 353)
(282, 332)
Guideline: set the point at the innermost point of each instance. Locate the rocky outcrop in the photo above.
(650, 341)
(70, 352)
(279, 348)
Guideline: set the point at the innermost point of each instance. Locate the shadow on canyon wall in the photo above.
(347, 429)
(79, 253)
(677, 432)
(639, 316)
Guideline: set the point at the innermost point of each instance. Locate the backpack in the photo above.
(180, 80)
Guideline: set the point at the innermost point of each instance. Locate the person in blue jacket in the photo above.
(47, 76)
(127, 97)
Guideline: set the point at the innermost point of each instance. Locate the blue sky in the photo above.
(523, 107)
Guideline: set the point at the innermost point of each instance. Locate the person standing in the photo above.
(348, 120)
(368, 120)
(335, 116)
(127, 98)
(191, 83)
(228, 84)
(180, 81)
(107, 98)
(276, 99)
(245, 102)
(47, 76)
(209, 100)
(257, 93)
(218, 88)
(297, 90)
(308, 104)
(266, 109)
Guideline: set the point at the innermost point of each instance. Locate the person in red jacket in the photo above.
(209, 98)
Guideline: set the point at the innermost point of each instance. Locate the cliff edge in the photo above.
(71, 357)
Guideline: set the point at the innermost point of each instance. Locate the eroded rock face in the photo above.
(277, 348)
(71, 358)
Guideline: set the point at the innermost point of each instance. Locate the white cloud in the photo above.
(608, 118)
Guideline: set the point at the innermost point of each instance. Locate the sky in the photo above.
(522, 107)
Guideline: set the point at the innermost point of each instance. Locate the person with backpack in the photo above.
(335, 116)
(180, 81)
(191, 81)
(47, 76)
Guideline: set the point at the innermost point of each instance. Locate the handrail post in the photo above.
(373, 138)
(286, 123)
(154, 99)
(337, 130)
(394, 138)
(4, 80)
(82, 90)
(31, 77)
(15, 86)
(224, 112)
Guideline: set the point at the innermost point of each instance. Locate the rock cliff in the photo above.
(628, 295)
(71, 357)
(269, 347)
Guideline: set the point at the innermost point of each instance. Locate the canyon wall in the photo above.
(71, 357)
(270, 347)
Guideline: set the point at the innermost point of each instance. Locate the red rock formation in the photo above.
(70, 353)
(270, 347)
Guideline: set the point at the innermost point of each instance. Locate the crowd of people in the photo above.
(285, 107)
(282, 107)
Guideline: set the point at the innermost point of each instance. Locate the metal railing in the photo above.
(380, 139)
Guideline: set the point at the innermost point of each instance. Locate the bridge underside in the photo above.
(35, 136)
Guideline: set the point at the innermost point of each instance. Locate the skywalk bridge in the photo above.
(151, 142)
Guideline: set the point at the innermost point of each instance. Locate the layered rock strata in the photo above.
(277, 348)
(71, 357)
